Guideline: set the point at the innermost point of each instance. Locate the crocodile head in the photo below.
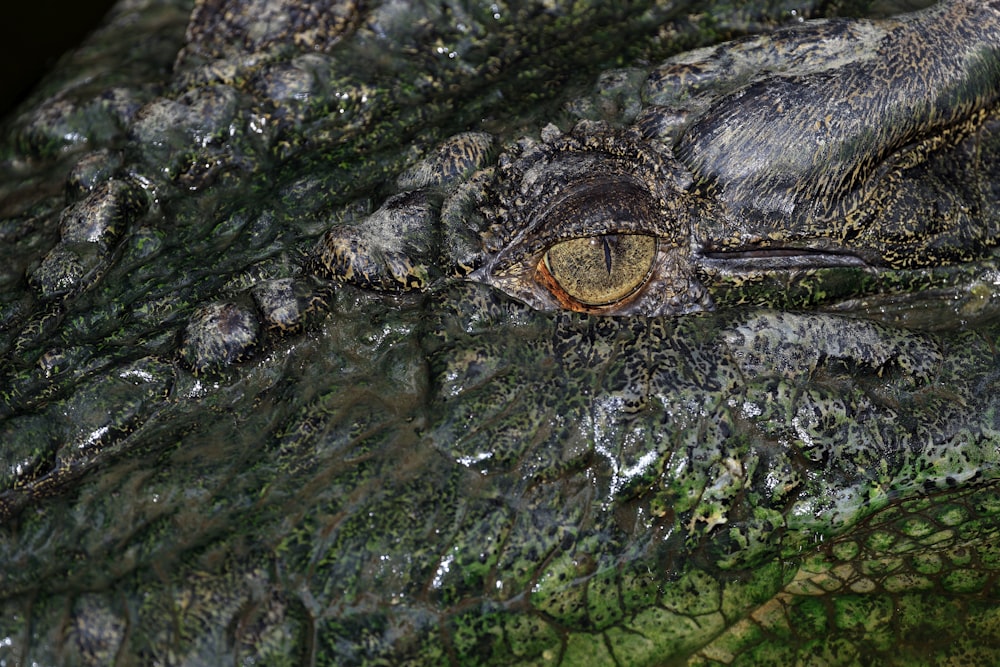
(307, 370)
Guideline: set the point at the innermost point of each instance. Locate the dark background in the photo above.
(33, 34)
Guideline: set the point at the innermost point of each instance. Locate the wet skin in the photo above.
(291, 370)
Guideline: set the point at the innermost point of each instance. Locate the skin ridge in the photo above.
(816, 171)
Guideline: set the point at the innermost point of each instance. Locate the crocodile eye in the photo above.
(597, 270)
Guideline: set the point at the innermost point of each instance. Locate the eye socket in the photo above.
(595, 271)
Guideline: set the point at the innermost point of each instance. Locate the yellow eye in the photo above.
(598, 270)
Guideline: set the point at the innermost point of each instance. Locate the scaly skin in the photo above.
(725, 172)
(214, 455)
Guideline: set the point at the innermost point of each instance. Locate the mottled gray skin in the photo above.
(215, 452)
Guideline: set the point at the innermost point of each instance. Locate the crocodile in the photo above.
(304, 360)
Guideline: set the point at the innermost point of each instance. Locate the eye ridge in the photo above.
(598, 271)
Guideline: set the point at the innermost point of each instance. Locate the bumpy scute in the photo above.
(219, 335)
(388, 250)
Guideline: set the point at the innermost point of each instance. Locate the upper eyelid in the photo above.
(541, 234)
